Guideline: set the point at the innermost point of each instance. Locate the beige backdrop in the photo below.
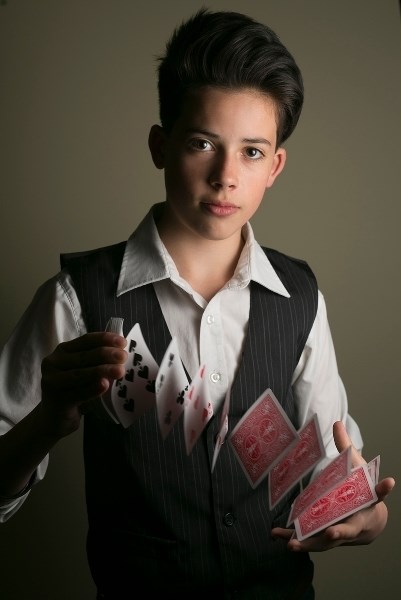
(77, 98)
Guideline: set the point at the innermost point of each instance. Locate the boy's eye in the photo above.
(200, 144)
(253, 153)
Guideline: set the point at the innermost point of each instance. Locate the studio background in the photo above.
(77, 99)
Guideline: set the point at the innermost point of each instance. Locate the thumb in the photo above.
(343, 441)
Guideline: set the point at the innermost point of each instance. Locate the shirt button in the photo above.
(210, 319)
(228, 519)
(215, 377)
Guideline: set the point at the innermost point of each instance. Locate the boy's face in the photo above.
(218, 160)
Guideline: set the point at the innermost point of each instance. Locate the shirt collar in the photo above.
(146, 260)
(254, 265)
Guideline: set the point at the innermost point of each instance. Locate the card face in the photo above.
(171, 387)
(198, 409)
(261, 436)
(223, 428)
(296, 462)
(353, 494)
(134, 394)
(332, 475)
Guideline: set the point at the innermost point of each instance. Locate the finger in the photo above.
(82, 356)
(336, 535)
(90, 342)
(318, 543)
(384, 488)
(281, 532)
(93, 340)
(343, 441)
(80, 384)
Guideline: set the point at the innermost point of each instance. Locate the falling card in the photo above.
(262, 435)
(198, 409)
(223, 428)
(296, 462)
(171, 386)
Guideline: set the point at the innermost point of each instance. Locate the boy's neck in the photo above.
(207, 265)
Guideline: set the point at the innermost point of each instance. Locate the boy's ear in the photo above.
(278, 165)
(156, 142)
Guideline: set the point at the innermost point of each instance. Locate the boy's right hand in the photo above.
(76, 372)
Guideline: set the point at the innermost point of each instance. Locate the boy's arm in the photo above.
(35, 412)
(76, 372)
(318, 389)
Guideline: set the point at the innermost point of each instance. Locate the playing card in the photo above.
(198, 409)
(171, 385)
(261, 436)
(134, 394)
(223, 428)
(333, 474)
(296, 462)
(353, 494)
(373, 468)
(115, 325)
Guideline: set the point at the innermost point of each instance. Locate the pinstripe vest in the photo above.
(159, 518)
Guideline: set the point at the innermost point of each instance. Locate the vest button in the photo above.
(228, 519)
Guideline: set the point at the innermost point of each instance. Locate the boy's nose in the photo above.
(224, 174)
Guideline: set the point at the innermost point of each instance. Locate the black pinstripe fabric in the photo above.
(160, 519)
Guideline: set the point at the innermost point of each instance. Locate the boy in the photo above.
(159, 519)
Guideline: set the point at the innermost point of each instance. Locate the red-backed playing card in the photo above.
(296, 462)
(261, 436)
(353, 494)
(373, 468)
(335, 472)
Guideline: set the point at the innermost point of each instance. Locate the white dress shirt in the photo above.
(208, 333)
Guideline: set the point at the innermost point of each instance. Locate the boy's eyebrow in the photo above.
(210, 134)
(257, 141)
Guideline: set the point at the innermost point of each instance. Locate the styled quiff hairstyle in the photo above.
(232, 51)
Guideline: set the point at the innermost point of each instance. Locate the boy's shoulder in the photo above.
(276, 255)
(287, 267)
(112, 251)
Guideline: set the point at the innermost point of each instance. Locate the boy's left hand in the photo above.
(360, 528)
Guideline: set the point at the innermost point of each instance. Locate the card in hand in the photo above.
(171, 386)
(332, 475)
(373, 468)
(261, 436)
(198, 409)
(134, 394)
(296, 462)
(353, 494)
(114, 325)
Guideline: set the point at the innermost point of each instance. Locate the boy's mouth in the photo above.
(220, 209)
